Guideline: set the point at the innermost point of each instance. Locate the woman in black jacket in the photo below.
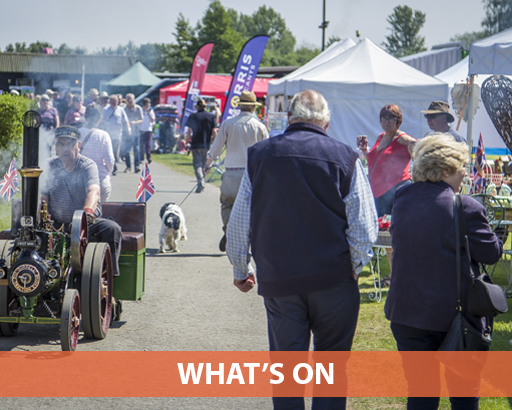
(421, 304)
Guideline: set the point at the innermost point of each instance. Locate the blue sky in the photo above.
(106, 23)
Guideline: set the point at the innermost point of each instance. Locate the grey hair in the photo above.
(309, 106)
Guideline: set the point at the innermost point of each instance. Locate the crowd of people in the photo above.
(305, 208)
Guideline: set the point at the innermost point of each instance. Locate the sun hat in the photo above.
(248, 98)
(440, 107)
(68, 131)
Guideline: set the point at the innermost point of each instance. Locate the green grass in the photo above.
(5, 213)
(373, 332)
(183, 164)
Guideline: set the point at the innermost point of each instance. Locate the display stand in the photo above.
(379, 249)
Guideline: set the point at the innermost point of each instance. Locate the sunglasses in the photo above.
(431, 116)
(387, 119)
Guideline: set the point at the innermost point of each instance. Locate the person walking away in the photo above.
(237, 134)
(113, 119)
(146, 129)
(306, 211)
(202, 128)
(135, 116)
(97, 146)
(422, 302)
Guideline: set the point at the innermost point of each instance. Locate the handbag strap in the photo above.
(456, 205)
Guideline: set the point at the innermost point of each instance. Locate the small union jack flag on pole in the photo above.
(146, 187)
(479, 168)
(10, 184)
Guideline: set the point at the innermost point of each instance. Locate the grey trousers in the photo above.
(199, 161)
(231, 180)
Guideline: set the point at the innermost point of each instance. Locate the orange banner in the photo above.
(255, 374)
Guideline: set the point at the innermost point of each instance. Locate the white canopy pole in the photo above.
(469, 136)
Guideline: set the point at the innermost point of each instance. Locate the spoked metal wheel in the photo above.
(8, 300)
(78, 240)
(70, 320)
(97, 289)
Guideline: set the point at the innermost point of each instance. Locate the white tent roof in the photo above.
(359, 82)
(332, 51)
(492, 55)
(434, 61)
(481, 123)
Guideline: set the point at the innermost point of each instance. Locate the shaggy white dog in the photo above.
(173, 227)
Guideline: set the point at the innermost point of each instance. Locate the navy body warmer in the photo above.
(298, 221)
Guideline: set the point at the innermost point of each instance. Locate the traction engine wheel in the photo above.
(70, 320)
(97, 290)
(8, 299)
(78, 240)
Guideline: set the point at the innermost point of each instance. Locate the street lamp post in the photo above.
(323, 26)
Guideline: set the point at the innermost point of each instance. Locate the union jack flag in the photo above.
(479, 168)
(146, 187)
(10, 184)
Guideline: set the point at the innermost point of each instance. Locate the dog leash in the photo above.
(194, 187)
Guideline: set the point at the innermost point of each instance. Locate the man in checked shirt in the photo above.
(306, 210)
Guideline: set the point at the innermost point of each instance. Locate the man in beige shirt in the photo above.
(237, 134)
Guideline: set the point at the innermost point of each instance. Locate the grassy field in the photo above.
(373, 332)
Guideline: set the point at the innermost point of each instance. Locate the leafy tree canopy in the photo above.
(405, 27)
(498, 16)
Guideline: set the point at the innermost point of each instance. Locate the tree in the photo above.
(12, 108)
(405, 27)
(65, 49)
(281, 41)
(332, 39)
(182, 53)
(469, 37)
(498, 16)
(215, 27)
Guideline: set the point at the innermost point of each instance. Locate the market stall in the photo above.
(357, 83)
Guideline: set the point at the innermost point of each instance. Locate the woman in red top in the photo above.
(389, 159)
(389, 163)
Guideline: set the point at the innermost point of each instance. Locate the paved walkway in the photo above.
(190, 301)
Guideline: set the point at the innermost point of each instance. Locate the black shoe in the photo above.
(127, 170)
(222, 244)
(199, 189)
(137, 170)
(114, 173)
(149, 161)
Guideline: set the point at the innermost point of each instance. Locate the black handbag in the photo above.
(462, 335)
(483, 297)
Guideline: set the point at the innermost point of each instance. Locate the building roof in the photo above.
(63, 63)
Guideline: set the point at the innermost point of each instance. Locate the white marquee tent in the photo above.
(330, 52)
(481, 123)
(492, 55)
(358, 83)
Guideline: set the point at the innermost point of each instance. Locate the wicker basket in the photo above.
(384, 239)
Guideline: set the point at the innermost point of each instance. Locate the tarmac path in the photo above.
(190, 303)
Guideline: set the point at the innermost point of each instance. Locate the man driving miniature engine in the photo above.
(70, 182)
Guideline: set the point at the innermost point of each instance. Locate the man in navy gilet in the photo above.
(306, 210)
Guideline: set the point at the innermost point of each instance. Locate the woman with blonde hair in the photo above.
(422, 302)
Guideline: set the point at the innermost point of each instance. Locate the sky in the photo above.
(106, 23)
